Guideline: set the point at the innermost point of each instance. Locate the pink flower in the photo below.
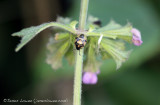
(136, 39)
(90, 77)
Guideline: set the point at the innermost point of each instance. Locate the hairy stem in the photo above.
(79, 56)
(83, 14)
(78, 78)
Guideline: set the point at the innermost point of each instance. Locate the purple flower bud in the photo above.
(90, 77)
(136, 39)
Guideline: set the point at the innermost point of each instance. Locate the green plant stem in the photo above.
(83, 14)
(79, 56)
(78, 78)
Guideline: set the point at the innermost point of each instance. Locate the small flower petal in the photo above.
(136, 32)
(90, 78)
(136, 39)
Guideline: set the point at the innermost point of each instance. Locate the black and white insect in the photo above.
(80, 41)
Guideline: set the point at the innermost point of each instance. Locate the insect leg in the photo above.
(79, 53)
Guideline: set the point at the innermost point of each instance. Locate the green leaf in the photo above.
(28, 33)
(70, 56)
(57, 50)
(91, 27)
(59, 47)
(61, 36)
(114, 31)
(115, 50)
(99, 34)
(112, 25)
(73, 24)
(91, 64)
(119, 45)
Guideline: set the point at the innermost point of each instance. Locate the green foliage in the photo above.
(115, 49)
(113, 30)
(141, 14)
(91, 63)
(62, 44)
(28, 33)
(57, 49)
(55, 57)
(111, 46)
(139, 86)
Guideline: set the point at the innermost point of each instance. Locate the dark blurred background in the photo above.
(25, 75)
